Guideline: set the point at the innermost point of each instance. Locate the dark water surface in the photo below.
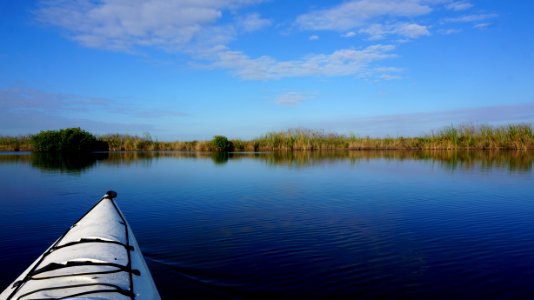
(356, 225)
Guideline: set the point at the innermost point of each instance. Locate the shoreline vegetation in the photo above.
(464, 137)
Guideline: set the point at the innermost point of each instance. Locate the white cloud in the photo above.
(200, 30)
(124, 25)
(412, 30)
(407, 30)
(357, 13)
(197, 29)
(290, 99)
(459, 5)
(253, 22)
(344, 62)
(378, 19)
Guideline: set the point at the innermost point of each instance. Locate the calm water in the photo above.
(363, 225)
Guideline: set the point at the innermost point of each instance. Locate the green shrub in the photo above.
(66, 140)
(221, 143)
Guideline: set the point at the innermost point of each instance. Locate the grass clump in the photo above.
(509, 137)
(124, 142)
(464, 137)
(299, 139)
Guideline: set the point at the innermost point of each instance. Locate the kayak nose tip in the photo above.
(110, 194)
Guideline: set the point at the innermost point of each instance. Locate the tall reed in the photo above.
(20, 143)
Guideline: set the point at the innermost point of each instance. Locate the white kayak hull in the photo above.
(97, 258)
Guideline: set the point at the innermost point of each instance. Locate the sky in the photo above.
(192, 69)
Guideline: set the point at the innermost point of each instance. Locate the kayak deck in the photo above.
(98, 257)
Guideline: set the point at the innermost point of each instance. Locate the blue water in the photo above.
(357, 225)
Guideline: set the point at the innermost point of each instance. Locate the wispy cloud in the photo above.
(480, 21)
(357, 13)
(349, 34)
(449, 31)
(459, 5)
(204, 31)
(378, 74)
(471, 18)
(22, 99)
(158, 113)
(482, 25)
(32, 122)
(29, 100)
(406, 30)
(252, 22)
(411, 123)
(290, 99)
(124, 26)
(344, 62)
(29, 110)
(195, 28)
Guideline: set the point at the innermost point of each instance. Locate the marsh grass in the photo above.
(509, 137)
(463, 137)
(20, 143)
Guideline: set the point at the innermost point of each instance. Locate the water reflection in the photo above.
(15, 157)
(55, 162)
(517, 161)
(466, 160)
(71, 163)
(221, 158)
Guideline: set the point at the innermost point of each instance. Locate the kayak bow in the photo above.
(97, 258)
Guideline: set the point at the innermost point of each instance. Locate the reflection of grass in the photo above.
(449, 159)
(465, 137)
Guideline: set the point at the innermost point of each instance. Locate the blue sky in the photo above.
(184, 70)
